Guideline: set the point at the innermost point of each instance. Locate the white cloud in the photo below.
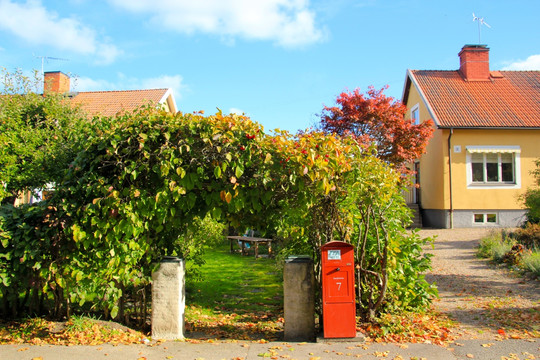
(531, 63)
(236, 111)
(175, 82)
(289, 23)
(32, 22)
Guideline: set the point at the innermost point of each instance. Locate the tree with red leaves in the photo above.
(374, 118)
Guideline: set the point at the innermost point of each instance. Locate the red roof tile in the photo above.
(111, 103)
(512, 100)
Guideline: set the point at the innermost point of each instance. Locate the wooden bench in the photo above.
(252, 240)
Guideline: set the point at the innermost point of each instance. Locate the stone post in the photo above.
(168, 299)
(299, 299)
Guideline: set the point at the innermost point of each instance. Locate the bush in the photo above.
(531, 262)
(492, 244)
(531, 198)
(507, 248)
(529, 236)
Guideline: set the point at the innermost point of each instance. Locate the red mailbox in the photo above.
(339, 308)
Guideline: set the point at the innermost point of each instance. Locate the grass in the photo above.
(531, 262)
(497, 245)
(238, 297)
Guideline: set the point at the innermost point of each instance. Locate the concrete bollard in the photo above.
(299, 299)
(168, 299)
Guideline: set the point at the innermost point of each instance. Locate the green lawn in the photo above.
(238, 297)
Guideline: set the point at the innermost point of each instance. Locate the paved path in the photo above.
(468, 349)
(485, 300)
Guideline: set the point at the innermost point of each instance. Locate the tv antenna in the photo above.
(47, 58)
(480, 23)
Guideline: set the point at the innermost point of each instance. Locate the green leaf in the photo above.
(217, 172)
(114, 311)
(239, 170)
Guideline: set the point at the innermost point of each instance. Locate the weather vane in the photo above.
(480, 23)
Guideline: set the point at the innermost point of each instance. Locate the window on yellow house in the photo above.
(485, 218)
(487, 165)
(493, 167)
(415, 114)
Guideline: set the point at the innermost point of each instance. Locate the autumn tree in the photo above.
(376, 119)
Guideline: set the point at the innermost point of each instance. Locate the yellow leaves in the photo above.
(225, 196)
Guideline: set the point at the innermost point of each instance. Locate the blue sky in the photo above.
(278, 61)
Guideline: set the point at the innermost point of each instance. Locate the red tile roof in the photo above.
(111, 103)
(510, 99)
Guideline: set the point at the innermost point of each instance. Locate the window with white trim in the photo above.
(483, 219)
(493, 166)
(415, 114)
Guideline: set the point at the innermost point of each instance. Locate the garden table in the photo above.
(252, 240)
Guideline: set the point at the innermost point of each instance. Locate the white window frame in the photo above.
(514, 149)
(415, 108)
(485, 216)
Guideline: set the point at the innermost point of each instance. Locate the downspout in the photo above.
(450, 177)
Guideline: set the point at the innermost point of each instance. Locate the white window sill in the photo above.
(493, 186)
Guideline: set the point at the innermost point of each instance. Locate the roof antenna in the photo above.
(480, 22)
(47, 58)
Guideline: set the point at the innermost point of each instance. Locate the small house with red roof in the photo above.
(102, 103)
(485, 143)
(109, 103)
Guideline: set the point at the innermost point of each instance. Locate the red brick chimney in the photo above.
(55, 81)
(474, 62)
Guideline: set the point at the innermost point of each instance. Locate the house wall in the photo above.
(493, 198)
(504, 201)
(432, 165)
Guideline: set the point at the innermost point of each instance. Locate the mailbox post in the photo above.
(339, 308)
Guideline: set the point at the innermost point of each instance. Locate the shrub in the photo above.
(528, 236)
(488, 243)
(531, 198)
(531, 262)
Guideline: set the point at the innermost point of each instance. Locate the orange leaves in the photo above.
(225, 196)
(87, 332)
(410, 327)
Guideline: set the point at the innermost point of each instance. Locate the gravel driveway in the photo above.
(487, 301)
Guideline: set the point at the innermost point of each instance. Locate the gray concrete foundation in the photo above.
(168, 300)
(440, 219)
(299, 299)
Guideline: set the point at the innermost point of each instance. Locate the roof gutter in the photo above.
(450, 177)
(489, 127)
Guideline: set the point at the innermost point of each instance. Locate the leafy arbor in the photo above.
(141, 181)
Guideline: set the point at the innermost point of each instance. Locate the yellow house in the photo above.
(486, 139)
